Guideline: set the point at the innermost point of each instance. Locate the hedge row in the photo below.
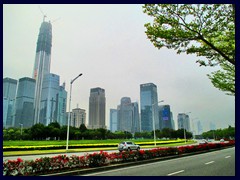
(78, 146)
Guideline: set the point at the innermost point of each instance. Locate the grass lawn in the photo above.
(73, 142)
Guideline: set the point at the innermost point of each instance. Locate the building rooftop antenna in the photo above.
(44, 15)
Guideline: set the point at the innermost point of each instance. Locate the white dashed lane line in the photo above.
(177, 172)
(210, 162)
(227, 157)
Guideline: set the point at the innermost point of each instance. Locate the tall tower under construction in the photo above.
(42, 64)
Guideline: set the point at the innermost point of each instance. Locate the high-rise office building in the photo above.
(41, 65)
(9, 95)
(78, 117)
(62, 120)
(97, 106)
(125, 115)
(172, 120)
(9, 88)
(8, 112)
(113, 120)
(165, 118)
(183, 121)
(136, 118)
(24, 112)
(149, 106)
(128, 116)
(199, 127)
(49, 109)
(212, 126)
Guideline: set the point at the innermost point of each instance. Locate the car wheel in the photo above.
(120, 150)
(129, 149)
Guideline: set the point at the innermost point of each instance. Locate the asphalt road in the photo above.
(216, 163)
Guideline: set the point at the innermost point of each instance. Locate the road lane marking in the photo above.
(227, 157)
(176, 172)
(210, 162)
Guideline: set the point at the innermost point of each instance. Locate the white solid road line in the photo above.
(227, 157)
(209, 162)
(177, 172)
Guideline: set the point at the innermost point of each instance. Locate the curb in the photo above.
(128, 164)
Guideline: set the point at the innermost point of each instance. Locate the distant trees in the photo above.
(56, 132)
(226, 133)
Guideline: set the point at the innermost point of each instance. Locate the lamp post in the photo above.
(21, 128)
(153, 121)
(184, 126)
(70, 108)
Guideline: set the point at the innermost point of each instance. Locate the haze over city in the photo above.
(108, 44)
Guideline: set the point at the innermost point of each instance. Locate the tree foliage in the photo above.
(226, 133)
(206, 30)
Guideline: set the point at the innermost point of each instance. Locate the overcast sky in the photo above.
(108, 44)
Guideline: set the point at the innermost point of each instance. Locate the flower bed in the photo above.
(58, 163)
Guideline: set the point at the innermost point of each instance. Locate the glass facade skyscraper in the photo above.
(9, 88)
(62, 119)
(41, 65)
(24, 112)
(165, 118)
(97, 106)
(149, 106)
(49, 101)
(113, 119)
(9, 95)
(128, 116)
(183, 121)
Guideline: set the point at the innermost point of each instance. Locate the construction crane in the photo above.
(44, 15)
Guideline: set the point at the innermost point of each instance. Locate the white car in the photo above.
(204, 141)
(128, 146)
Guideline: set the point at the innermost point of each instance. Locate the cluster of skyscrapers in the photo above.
(41, 99)
(152, 116)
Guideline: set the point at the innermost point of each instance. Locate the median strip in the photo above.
(175, 172)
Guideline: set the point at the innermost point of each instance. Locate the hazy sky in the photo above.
(108, 44)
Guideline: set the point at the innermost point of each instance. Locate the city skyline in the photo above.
(112, 51)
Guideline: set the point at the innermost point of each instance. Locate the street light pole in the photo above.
(70, 108)
(153, 121)
(21, 128)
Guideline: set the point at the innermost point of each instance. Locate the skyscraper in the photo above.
(97, 106)
(24, 102)
(62, 120)
(49, 99)
(9, 94)
(78, 117)
(183, 121)
(165, 118)
(149, 106)
(9, 88)
(113, 120)
(199, 127)
(128, 116)
(125, 118)
(42, 64)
